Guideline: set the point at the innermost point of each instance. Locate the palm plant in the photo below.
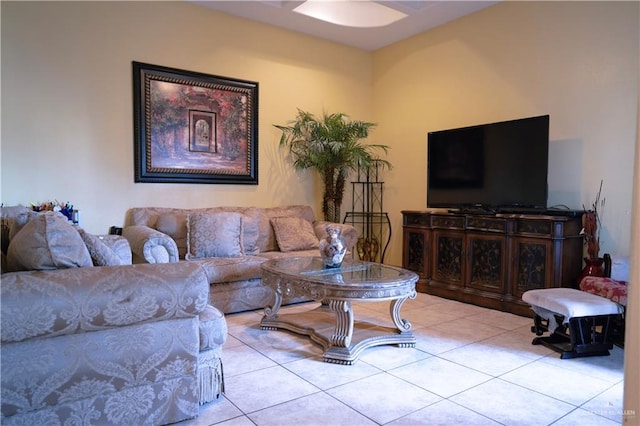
(330, 145)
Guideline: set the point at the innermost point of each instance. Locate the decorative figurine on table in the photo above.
(332, 247)
(55, 206)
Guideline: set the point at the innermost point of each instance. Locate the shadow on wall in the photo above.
(565, 173)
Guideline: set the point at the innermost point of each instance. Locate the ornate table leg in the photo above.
(270, 312)
(344, 323)
(402, 325)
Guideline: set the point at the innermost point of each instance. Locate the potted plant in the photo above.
(332, 146)
(591, 223)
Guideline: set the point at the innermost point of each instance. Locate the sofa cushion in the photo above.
(258, 233)
(175, 226)
(294, 233)
(48, 241)
(251, 231)
(214, 235)
(267, 240)
(298, 253)
(229, 269)
(173, 222)
(101, 254)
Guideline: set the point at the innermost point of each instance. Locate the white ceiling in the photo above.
(422, 16)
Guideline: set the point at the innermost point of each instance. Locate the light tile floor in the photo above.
(470, 366)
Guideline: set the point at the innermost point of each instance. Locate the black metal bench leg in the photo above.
(586, 336)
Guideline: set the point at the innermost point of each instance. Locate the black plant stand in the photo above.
(368, 217)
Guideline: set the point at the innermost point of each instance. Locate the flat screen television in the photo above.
(491, 167)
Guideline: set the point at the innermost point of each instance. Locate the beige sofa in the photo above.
(230, 243)
(82, 344)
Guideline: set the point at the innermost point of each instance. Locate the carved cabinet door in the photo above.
(448, 259)
(416, 253)
(532, 265)
(487, 268)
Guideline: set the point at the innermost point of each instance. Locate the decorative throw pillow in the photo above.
(101, 254)
(250, 231)
(8, 215)
(21, 220)
(294, 233)
(214, 235)
(48, 241)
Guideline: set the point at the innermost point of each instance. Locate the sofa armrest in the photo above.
(349, 233)
(151, 245)
(68, 301)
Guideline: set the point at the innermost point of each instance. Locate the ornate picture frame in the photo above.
(191, 127)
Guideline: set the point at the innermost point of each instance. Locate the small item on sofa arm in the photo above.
(150, 245)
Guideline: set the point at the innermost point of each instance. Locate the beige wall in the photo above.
(577, 61)
(67, 108)
(67, 117)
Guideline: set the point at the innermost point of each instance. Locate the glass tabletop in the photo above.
(351, 273)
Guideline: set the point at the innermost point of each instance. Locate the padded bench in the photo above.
(578, 322)
(614, 290)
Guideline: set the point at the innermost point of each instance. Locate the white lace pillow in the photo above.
(48, 241)
(214, 235)
(294, 233)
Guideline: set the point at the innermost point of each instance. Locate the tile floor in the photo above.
(470, 366)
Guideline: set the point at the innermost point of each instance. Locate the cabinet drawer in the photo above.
(447, 222)
(416, 219)
(487, 224)
(533, 227)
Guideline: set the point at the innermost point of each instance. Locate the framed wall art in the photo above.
(191, 127)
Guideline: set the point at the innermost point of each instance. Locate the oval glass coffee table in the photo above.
(332, 324)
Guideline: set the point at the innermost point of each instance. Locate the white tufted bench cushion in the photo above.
(585, 321)
(570, 302)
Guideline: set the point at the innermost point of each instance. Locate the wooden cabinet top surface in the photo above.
(508, 224)
(543, 216)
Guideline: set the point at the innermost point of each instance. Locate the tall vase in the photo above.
(593, 268)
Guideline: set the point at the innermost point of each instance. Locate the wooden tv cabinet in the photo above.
(491, 259)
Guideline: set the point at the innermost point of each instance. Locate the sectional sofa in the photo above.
(230, 243)
(125, 330)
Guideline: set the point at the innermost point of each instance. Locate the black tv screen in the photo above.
(490, 166)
